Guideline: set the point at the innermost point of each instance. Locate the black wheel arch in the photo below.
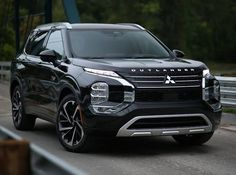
(69, 86)
(15, 81)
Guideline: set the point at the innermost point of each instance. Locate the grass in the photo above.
(229, 110)
(223, 69)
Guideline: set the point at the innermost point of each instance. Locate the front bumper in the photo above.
(118, 124)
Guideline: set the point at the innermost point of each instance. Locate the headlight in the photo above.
(210, 89)
(99, 93)
(216, 90)
(205, 74)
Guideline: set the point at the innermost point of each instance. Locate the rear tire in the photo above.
(20, 119)
(193, 139)
(69, 126)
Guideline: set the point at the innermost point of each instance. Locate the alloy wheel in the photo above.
(16, 107)
(69, 124)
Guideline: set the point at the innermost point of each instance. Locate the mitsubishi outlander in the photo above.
(115, 80)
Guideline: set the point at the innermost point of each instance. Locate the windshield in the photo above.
(115, 44)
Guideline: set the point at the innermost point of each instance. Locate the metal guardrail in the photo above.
(228, 85)
(227, 90)
(5, 70)
(43, 162)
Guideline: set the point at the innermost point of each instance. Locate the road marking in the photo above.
(5, 114)
(4, 98)
(229, 128)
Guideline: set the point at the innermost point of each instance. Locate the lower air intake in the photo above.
(169, 122)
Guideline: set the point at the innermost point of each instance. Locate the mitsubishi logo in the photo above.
(169, 80)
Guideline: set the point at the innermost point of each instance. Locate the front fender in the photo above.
(70, 83)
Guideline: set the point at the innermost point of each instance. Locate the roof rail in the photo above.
(56, 24)
(134, 25)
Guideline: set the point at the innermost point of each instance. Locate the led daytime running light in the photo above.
(102, 72)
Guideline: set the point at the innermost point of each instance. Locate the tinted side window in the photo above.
(35, 43)
(55, 43)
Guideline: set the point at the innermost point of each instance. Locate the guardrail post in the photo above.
(14, 157)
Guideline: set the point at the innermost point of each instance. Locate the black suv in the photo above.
(111, 79)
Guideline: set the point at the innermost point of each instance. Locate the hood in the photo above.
(127, 64)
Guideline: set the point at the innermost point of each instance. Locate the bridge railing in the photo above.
(5, 70)
(41, 161)
(228, 90)
(228, 85)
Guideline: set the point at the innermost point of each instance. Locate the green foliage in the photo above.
(229, 110)
(203, 29)
(58, 11)
(7, 50)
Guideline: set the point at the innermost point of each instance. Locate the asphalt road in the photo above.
(151, 156)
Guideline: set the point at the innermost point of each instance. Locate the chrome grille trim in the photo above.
(168, 87)
(161, 76)
(158, 81)
(174, 76)
(147, 81)
(187, 81)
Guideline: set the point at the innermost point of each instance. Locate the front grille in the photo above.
(152, 87)
(149, 81)
(168, 95)
(150, 78)
(168, 122)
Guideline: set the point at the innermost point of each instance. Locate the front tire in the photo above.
(69, 127)
(20, 119)
(193, 139)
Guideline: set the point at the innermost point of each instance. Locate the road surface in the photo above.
(137, 156)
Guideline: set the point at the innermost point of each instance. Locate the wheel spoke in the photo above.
(80, 129)
(65, 117)
(15, 106)
(16, 116)
(65, 128)
(19, 117)
(66, 113)
(73, 116)
(64, 121)
(72, 138)
(15, 109)
(17, 96)
(14, 99)
(65, 134)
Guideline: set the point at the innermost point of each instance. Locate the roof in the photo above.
(127, 26)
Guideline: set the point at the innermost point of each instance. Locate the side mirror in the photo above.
(178, 53)
(48, 56)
